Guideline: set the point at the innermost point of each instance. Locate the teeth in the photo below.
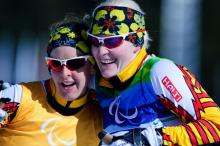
(108, 61)
(68, 83)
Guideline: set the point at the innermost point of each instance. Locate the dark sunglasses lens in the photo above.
(113, 42)
(94, 41)
(75, 63)
(55, 65)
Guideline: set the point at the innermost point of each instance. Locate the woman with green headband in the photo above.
(146, 100)
(58, 111)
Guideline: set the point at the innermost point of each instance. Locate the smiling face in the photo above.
(71, 84)
(112, 61)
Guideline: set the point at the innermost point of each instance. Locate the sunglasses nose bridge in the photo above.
(63, 62)
(101, 41)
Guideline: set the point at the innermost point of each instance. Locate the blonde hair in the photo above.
(130, 4)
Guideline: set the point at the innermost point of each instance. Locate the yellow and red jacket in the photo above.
(33, 121)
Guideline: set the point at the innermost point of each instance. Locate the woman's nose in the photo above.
(103, 50)
(66, 71)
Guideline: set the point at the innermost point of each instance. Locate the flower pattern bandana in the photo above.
(67, 35)
(116, 20)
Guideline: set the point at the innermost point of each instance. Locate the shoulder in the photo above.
(157, 65)
(154, 62)
(32, 90)
(33, 87)
(165, 66)
(151, 60)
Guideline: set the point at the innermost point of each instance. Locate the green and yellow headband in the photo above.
(116, 20)
(69, 35)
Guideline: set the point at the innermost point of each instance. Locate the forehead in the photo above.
(65, 52)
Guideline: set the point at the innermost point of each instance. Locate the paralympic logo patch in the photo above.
(53, 138)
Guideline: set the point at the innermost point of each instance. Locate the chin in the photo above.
(70, 97)
(109, 73)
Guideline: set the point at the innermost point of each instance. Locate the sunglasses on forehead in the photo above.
(108, 41)
(71, 64)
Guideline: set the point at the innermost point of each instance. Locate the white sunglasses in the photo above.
(71, 63)
(108, 41)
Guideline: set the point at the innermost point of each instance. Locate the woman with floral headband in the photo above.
(146, 100)
(58, 111)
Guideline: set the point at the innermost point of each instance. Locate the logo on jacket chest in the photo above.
(120, 112)
(53, 138)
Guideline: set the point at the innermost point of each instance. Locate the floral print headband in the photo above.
(68, 35)
(117, 20)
